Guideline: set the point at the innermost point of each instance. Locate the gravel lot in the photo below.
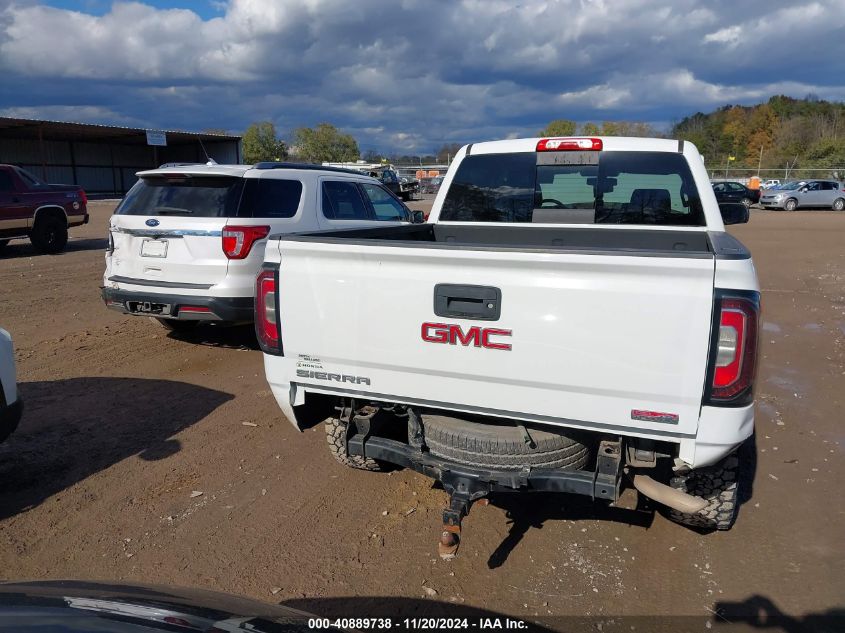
(124, 424)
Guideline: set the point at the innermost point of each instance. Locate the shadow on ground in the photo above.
(23, 248)
(240, 336)
(759, 612)
(74, 428)
(530, 511)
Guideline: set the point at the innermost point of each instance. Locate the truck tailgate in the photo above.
(596, 340)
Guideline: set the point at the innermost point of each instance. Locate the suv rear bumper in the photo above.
(219, 308)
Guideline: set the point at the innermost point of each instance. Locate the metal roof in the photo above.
(11, 127)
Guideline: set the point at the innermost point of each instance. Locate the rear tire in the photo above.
(3, 245)
(175, 325)
(502, 446)
(336, 437)
(746, 202)
(49, 235)
(719, 485)
(839, 204)
(791, 204)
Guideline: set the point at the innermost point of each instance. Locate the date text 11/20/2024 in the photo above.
(419, 624)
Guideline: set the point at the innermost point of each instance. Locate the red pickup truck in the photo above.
(43, 213)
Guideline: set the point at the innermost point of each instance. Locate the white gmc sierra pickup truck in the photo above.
(572, 318)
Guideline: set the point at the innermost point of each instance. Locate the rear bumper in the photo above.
(10, 416)
(219, 308)
(77, 220)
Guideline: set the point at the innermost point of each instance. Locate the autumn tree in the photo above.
(447, 152)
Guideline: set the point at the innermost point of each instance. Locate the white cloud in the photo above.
(435, 72)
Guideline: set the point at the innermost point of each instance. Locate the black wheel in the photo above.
(838, 205)
(791, 204)
(336, 436)
(175, 325)
(49, 235)
(746, 202)
(503, 446)
(719, 485)
(3, 245)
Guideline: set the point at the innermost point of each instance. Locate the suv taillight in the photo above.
(83, 196)
(734, 358)
(267, 327)
(238, 240)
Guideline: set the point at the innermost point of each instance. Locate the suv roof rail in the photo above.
(278, 165)
(163, 165)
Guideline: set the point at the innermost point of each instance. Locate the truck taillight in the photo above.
(735, 358)
(238, 240)
(83, 196)
(267, 327)
(569, 144)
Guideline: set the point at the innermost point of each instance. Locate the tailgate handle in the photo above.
(483, 303)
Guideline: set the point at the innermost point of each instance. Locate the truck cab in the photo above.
(34, 210)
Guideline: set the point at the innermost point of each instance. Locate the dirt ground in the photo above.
(123, 423)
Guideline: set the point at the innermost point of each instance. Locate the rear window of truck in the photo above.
(191, 196)
(654, 188)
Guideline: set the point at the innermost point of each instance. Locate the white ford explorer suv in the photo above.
(574, 318)
(187, 241)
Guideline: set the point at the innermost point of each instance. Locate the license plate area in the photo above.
(154, 248)
(149, 307)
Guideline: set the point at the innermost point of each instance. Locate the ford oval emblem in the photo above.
(152, 222)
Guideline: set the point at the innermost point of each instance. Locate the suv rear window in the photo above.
(270, 198)
(191, 196)
(582, 188)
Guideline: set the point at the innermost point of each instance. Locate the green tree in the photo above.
(325, 144)
(590, 129)
(559, 127)
(261, 143)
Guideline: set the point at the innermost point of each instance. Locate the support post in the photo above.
(41, 152)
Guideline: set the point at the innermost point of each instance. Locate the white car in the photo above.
(11, 405)
(574, 318)
(187, 241)
(773, 182)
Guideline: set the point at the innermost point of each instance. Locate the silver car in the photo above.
(820, 194)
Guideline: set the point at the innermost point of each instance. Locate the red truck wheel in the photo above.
(49, 235)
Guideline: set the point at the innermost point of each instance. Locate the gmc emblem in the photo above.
(453, 334)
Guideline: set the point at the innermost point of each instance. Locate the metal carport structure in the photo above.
(103, 159)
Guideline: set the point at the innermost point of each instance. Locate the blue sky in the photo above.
(206, 9)
(410, 75)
